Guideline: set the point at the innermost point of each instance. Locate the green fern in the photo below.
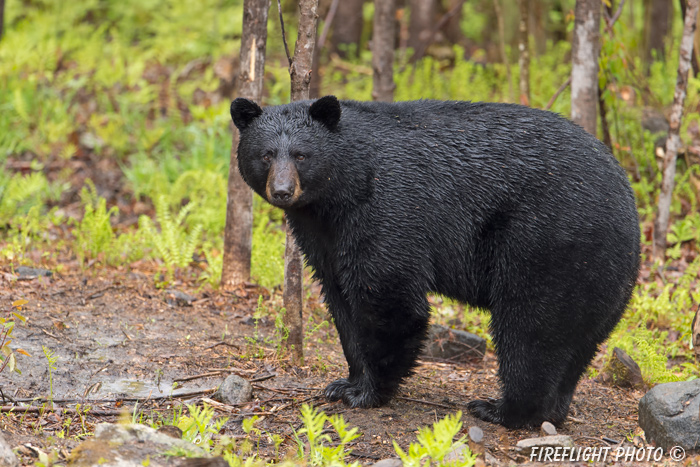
(22, 192)
(436, 443)
(173, 245)
(94, 234)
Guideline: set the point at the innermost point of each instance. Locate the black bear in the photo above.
(507, 208)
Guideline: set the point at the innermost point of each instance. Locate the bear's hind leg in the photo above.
(532, 363)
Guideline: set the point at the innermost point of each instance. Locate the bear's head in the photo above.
(283, 152)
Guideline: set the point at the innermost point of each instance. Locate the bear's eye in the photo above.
(266, 158)
(300, 157)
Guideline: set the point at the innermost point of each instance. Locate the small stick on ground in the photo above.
(32, 409)
(203, 375)
(434, 404)
(222, 343)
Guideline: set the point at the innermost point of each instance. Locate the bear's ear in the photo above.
(326, 110)
(243, 112)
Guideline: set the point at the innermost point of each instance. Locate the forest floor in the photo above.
(118, 338)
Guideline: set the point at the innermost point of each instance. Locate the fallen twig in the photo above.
(420, 401)
(34, 409)
(263, 378)
(203, 375)
(222, 343)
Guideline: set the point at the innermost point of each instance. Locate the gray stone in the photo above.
(525, 446)
(459, 454)
(547, 429)
(25, 273)
(177, 298)
(234, 390)
(490, 459)
(129, 446)
(7, 457)
(393, 462)
(475, 437)
(452, 344)
(669, 414)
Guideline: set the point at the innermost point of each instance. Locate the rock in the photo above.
(622, 371)
(525, 446)
(458, 454)
(7, 457)
(393, 462)
(654, 121)
(25, 273)
(203, 462)
(547, 429)
(234, 390)
(130, 446)
(475, 437)
(176, 298)
(170, 430)
(452, 344)
(669, 415)
(491, 459)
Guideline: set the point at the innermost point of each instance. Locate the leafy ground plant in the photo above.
(435, 444)
(7, 355)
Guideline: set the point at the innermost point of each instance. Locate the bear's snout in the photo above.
(283, 187)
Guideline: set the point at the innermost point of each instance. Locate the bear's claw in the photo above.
(354, 394)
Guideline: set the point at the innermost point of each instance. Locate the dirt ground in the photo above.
(120, 340)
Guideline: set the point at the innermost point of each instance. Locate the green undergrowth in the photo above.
(322, 440)
(656, 330)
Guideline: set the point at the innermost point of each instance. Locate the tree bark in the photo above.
(2, 18)
(347, 28)
(300, 73)
(538, 28)
(502, 42)
(238, 235)
(673, 143)
(524, 50)
(659, 23)
(453, 28)
(383, 37)
(584, 71)
(696, 43)
(421, 22)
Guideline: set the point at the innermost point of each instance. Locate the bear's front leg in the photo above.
(381, 340)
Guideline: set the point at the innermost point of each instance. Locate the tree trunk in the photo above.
(502, 42)
(453, 28)
(327, 10)
(383, 37)
(238, 235)
(538, 28)
(696, 44)
(673, 143)
(347, 28)
(524, 49)
(421, 22)
(584, 70)
(2, 17)
(659, 23)
(300, 73)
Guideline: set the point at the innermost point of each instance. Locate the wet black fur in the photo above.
(504, 207)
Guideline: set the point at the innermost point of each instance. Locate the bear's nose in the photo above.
(282, 194)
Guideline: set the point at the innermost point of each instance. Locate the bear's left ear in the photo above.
(326, 110)
(243, 112)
